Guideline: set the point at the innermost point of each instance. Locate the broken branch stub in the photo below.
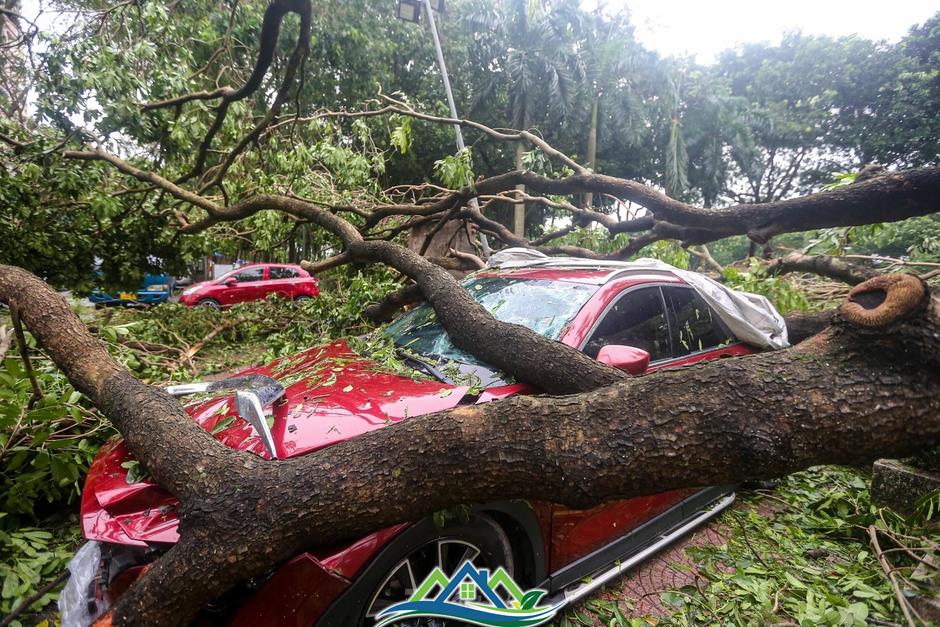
(883, 300)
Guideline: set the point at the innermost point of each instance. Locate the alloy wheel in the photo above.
(401, 582)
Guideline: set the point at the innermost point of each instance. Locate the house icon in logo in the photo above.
(473, 596)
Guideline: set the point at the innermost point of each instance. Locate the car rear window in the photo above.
(694, 326)
(276, 272)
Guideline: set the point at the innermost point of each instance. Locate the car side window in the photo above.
(277, 272)
(252, 274)
(637, 319)
(695, 327)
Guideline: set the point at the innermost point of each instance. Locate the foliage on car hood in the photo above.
(331, 394)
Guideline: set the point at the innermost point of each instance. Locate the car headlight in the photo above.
(158, 288)
(189, 290)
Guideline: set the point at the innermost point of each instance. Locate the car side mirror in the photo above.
(633, 360)
(231, 282)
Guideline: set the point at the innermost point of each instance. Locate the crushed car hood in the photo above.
(331, 394)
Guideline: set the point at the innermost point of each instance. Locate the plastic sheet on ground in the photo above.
(76, 606)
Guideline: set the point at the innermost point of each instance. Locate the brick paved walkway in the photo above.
(643, 585)
(670, 569)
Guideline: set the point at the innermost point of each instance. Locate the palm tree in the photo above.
(528, 48)
(616, 75)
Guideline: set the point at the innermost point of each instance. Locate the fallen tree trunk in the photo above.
(866, 387)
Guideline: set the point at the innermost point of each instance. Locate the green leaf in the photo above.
(456, 171)
(18, 459)
(400, 136)
(530, 599)
(223, 424)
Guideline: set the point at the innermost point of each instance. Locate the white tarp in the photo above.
(752, 318)
(514, 257)
(74, 599)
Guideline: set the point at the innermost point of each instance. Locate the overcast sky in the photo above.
(706, 27)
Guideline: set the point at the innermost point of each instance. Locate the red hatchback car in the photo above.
(252, 282)
(329, 394)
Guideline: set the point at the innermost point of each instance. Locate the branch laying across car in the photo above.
(635, 316)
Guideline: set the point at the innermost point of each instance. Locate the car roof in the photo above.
(586, 271)
(265, 264)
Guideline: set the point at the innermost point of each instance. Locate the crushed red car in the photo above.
(639, 318)
(252, 282)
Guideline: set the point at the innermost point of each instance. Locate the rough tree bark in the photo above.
(823, 265)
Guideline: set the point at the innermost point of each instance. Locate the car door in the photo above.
(249, 285)
(676, 327)
(281, 280)
(638, 318)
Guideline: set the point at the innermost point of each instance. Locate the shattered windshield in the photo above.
(544, 306)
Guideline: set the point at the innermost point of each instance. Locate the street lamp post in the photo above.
(410, 10)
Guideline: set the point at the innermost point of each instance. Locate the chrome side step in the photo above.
(577, 591)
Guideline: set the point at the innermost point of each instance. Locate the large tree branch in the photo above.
(153, 423)
(392, 303)
(887, 198)
(270, 28)
(802, 326)
(823, 265)
(511, 239)
(552, 366)
(891, 197)
(158, 181)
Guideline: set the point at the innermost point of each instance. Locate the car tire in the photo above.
(210, 302)
(418, 549)
(303, 298)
